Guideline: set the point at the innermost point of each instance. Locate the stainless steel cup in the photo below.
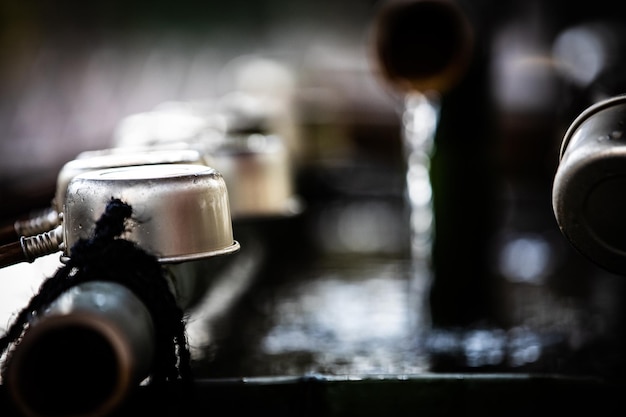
(589, 189)
(113, 158)
(258, 173)
(181, 212)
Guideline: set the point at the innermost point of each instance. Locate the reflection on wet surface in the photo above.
(350, 321)
(343, 310)
(344, 304)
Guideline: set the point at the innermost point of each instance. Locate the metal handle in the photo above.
(29, 248)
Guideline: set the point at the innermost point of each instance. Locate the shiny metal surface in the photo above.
(588, 190)
(110, 158)
(258, 174)
(42, 244)
(44, 220)
(38, 221)
(168, 124)
(102, 324)
(181, 212)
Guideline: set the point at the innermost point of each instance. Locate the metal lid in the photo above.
(181, 212)
(588, 196)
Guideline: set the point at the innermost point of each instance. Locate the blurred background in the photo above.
(496, 288)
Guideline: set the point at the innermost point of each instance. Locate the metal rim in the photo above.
(195, 256)
(582, 117)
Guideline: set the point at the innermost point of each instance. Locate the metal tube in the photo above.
(588, 189)
(422, 45)
(29, 248)
(83, 356)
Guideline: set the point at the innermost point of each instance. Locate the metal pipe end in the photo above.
(588, 188)
(422, 45)
(70, 366)
(84, 355)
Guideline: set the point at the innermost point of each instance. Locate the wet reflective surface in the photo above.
(339, 313)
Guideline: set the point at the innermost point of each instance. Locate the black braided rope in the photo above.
(107, 257)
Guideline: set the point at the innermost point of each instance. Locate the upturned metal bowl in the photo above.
(181, 212)
(258, 173)
(588, 196)
(113, 158)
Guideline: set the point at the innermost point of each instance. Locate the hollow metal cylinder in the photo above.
(422, 45)
(84, 354)
(588, 195)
